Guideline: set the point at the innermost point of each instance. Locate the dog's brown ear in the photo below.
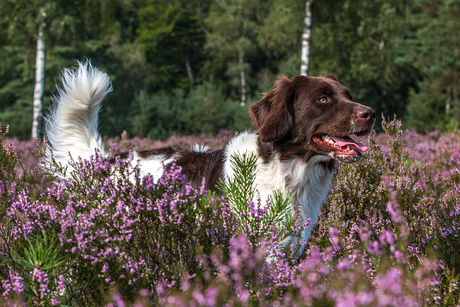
(331, 77)
(272, 115)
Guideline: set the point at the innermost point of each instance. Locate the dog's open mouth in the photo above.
(342, 148)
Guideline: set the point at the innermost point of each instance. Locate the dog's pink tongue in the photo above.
(349, 142)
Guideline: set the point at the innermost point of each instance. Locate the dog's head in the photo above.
(309, 116)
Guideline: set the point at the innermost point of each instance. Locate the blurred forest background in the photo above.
(176, 64)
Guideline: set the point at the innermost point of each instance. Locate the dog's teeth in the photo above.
(328, 139)
(351, 149)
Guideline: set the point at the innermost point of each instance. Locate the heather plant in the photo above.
(376, 268)
(118, 229)
(388, 236)
(14, 175)
(321, 279)
(434, 153)
(28, 154)
(202, 110)
(387, 188)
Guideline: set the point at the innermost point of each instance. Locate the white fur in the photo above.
(199, 148)
(72, 126)
(308, 183)
(153, 165)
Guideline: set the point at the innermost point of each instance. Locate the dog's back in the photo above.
(72, 132)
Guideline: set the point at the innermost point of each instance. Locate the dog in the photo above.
(302, 126)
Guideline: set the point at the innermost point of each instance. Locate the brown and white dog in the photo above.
(303, 125)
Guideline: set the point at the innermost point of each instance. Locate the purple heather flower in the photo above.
(6, 285)
(392, 208)
(334, 237)
(54, 301)
(18, 284)
(106, 223)
(399, 257)
(118, 300)
(39, 276)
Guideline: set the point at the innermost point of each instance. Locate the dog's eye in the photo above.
(322, 100)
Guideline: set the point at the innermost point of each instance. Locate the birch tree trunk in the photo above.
(306, 40)
(242, 75)
(39, 76)
(188, 67)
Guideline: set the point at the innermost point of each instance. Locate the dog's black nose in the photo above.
(366, 113)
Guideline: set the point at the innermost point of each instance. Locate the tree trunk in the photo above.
(448, 99)
(306, 40)
(454, 96)
(39, 76)
(188, 68)
(242, 76)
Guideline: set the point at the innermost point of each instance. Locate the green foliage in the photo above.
(425, 113)
(256, 219)
(240, 189)
(398, 57)
(279, 35)
(433, 49)
(241, 193)
(43, 254)
(202, 111)
(232, 27)
(360, 42)
(42, 265)
(171, 36)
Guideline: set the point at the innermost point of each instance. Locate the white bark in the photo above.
(448, 100)
(242, 76)
(306, 40)
(39, 76)
(188, 67)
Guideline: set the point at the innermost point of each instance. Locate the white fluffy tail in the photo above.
(71, 126)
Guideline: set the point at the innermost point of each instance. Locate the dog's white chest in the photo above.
(308, 183)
